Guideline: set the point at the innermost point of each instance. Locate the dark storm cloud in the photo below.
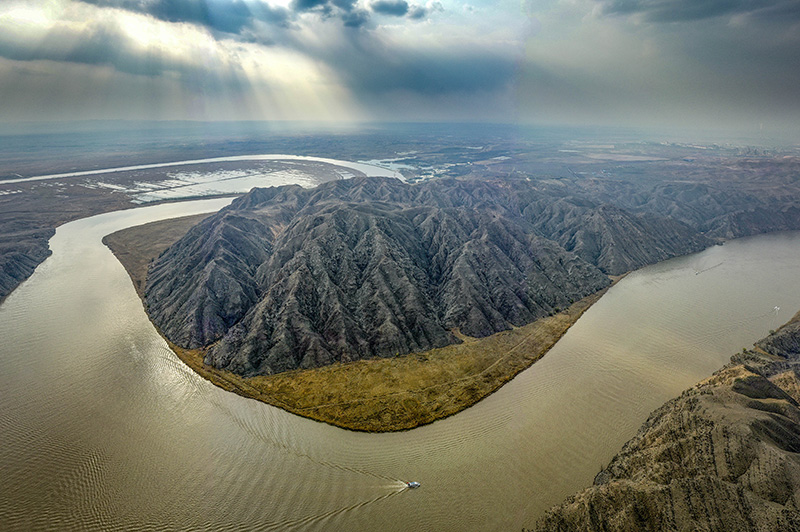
(370, 68)
(97, 45)
(418, 12)
(227, 16)
(401, 8)
(396, 8)
(367, 65)
(236, 17)
(346, 10)
(309, 5)
(430, 73)
(688, 10)
(355, 18)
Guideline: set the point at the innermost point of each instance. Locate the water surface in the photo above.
(370, 170)
(102, 427)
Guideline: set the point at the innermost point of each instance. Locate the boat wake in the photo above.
(704, 270)
(323, 520)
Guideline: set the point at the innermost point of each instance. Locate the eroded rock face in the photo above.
(722, 456)
(20, 253)
(785, 342)
(289, 278)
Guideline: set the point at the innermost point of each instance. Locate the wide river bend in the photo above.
(102, 427)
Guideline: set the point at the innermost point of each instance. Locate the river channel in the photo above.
(102, 427)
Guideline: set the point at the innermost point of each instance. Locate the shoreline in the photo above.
(722, 444)
(302, 392)
(374, 395)
(44, 213)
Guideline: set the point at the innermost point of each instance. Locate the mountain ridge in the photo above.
(289, 278)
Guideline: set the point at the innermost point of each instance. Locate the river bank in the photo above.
(377, 395)
(104, 428)
(721, 456)
(31, 208)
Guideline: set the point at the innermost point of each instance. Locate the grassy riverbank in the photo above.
(137, 246)
(378, 395)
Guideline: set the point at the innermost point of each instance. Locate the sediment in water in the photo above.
(722, 456)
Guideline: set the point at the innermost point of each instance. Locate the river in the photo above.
(366, 167)
(102, 427)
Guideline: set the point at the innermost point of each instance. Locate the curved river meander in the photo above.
(102, 427)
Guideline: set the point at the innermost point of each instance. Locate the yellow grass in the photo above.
(390, 394)
(378, 395)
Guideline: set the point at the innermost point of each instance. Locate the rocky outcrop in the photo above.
(724, 456)
(20, 254)
(785, 342)
(753, 221)
(289, 278)
(613, 239)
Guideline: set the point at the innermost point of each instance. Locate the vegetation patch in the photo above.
(375, 395)
(400, 393)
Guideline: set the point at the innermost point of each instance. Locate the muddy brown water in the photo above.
(103, 428)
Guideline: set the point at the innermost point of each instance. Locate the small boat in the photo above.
(412, 484)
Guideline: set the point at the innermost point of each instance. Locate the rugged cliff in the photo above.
(722, 456)
(289, 278)
(20, 253)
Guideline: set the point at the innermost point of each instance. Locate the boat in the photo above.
(412, 484)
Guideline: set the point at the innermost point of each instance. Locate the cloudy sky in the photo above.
(684, 63)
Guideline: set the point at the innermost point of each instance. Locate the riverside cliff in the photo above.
(721, 457)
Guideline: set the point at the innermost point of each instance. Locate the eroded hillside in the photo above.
(722, 456)
(290, 278)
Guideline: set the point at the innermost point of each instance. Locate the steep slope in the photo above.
(356, 281)
(196, 302)
(613, 239)
(725, 455)
(757, 220)
(749, 206)
(343, 284)
(20, 253)
(290, 278)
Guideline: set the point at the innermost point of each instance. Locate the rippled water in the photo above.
(102, 427)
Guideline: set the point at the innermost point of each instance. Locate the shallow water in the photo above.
(370, 170)
(102, 427)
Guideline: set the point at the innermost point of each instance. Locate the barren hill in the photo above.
(722, 456)
(288, 278)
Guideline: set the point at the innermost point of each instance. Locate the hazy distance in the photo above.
(633, 63)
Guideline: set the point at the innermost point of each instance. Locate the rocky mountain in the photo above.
(289, 278)
(611, 238)
(20, 253)
(747, 206)
(722, 456)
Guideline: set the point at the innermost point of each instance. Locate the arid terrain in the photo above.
(722, 456)
(31, 210)
(723, 190)
(604, 202)
(384, 394)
